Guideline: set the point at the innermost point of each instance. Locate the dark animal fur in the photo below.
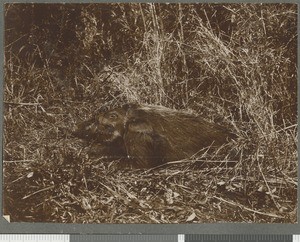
(152, 135)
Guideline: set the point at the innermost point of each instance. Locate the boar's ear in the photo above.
(129, 106)
(139, 126)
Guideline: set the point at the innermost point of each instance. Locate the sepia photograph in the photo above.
(150, 113)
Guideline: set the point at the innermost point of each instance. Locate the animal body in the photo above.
(152, 135)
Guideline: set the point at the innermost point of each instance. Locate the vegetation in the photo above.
(235, 64)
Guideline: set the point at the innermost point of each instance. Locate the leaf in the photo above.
(191, 217)
(230, 188)
(261, 189)
(30, 174)
(85, 204)
(169, 196)
(203, 201)
(237, 185)
(143, 204)
(175, 194)
(283, 209)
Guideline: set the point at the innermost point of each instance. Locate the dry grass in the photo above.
(242, 76)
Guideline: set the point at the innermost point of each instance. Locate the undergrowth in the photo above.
(234, 64)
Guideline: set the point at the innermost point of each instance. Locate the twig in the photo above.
(13, 161)
(289, 179)
(286, 128)
(88, 69)
(190, 161)
(270, 192)
(16, 40)
(19, 178)
(42, 190)
(143, 17)
(208, 22)
(246, 208)
(23, 104)
(167, 163)
(115, 193)
(277, 180)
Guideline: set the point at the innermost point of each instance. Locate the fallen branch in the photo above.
(246, 208)
(42, 190)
